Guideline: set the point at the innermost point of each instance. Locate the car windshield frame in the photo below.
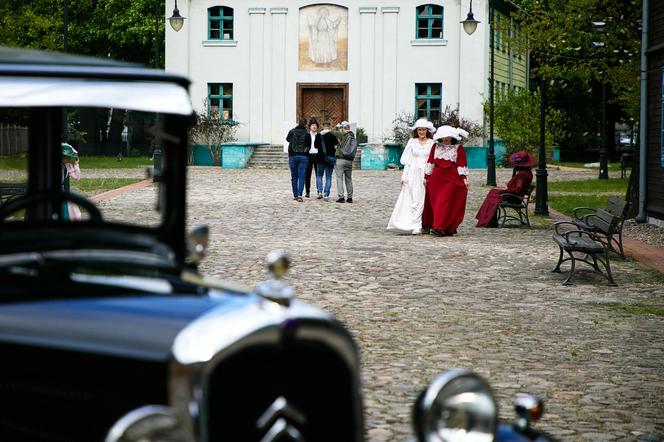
(46, 84)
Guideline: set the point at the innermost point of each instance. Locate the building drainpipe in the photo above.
(643, 114)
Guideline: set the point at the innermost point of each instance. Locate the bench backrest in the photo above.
(605, 221)
(617, 207)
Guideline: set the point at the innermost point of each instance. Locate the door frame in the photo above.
(301, 87)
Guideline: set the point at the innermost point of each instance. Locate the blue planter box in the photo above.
(378, 156)
(477, 154)
(394, 152)
(556, 154)
(374, 157)
(236, 155)
(202, 156)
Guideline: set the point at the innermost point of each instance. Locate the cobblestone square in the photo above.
(485, 300)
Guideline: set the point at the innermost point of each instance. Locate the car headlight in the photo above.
(151, 423)
(457, 406)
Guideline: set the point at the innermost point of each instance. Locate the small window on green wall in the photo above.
(428, 98)
(220, 23)
(429, 21)
(220, 101)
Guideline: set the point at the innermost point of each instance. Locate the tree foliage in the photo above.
(568, 50)
(400, 132)
(517, 121)
(118, 29)
(211, 133)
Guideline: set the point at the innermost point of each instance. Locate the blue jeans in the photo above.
(327, 167)
(298, 170)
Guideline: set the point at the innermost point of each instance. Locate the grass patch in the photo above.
(566, 203)
(617, 185)
(100, 184)
(13, 163)
(113, 163)
(21, 163)
(612, 166)
(638, 309)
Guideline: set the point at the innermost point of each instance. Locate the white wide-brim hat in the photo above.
(449, 131)
(343, 124)
(423, 122)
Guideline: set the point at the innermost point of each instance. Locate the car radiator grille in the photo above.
(310, 377)
(49, 395)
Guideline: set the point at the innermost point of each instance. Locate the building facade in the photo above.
(265, 63)
(654, 142)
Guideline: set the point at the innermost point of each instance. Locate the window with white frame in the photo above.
(220, 101)
(220, 23)
(428, 99)
(429, 22)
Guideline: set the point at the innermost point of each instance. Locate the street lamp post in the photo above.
(156, 153)
(541, 188)
(469, 25)
(598, 26)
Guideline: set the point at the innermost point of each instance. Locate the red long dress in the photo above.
(518, 185)
(445, 201)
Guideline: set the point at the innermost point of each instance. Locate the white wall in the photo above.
(384, 62)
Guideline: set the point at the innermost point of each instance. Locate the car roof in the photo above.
(15, 61)
(30, 77)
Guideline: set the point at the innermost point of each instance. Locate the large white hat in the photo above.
(449, 131)
(423, 122)
(343, 124)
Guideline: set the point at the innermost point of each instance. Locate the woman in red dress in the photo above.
(446, 181)
(522, 176)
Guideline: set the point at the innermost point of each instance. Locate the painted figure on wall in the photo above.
(323, 38)
(323, 34)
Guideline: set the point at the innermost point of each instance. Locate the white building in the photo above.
(265, 63)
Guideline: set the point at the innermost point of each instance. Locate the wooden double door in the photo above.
(326, 102)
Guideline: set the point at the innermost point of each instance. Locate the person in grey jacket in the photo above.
(345, 154)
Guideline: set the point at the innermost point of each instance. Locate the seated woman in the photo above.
(522, 176)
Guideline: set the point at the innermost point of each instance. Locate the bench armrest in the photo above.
(576, 212)
(505, 197)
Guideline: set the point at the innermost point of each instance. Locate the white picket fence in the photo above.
(13, 139)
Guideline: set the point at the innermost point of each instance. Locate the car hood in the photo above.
(142, 327)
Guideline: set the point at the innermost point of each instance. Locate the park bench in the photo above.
(585, 219)
(589, 247)
(517, 206)
(9, 191)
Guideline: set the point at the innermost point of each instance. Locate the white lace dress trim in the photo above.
(462, 171)
(445, 152)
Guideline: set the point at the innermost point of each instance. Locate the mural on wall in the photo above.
(323, 38)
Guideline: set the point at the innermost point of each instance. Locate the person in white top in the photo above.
(407, 214)
(314, 139)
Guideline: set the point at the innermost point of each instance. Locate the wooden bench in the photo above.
(9, 191)
(585, 219)
(517, 204)
(594, 247)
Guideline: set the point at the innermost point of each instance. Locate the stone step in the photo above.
(273, 156)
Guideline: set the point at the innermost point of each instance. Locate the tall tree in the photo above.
(576, 56)
(119, 29)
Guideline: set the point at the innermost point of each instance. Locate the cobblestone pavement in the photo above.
(485, 300)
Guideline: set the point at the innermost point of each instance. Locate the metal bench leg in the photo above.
(527, 219)
(502, 217)
(560, 261)
(607, 266)
(568, 281)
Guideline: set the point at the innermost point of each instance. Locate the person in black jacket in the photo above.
(326, 161)
(298, 148)
(314, 140)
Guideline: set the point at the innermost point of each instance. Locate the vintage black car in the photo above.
(107, 331)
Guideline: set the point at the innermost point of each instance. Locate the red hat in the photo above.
(522, 159)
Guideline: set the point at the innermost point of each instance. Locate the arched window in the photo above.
(429, 21)
(220, 23)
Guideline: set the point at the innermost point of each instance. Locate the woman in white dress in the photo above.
(407, 214)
